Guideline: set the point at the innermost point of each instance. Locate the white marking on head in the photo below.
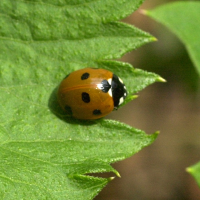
(110, 81)
(121, 100)
(120, 80)
(110, 92)
(100, 86)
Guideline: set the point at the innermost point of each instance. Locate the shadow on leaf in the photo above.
(66, 116)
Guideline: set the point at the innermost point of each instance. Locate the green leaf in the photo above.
(183, 18)
(195, 172)
(43, 152)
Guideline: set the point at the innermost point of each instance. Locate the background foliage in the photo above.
(185, 24)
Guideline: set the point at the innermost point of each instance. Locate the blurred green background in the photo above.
(159, 171)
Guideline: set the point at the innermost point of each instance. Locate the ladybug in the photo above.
(91, 93)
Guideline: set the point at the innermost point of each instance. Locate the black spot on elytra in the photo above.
(85, 76)
(96, 112)
(85, 97)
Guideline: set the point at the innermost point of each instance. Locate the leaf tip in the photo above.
(157, 132)
(131, 97)
(160, 79)
(118, 174)
(111, 178)
(134, 97)
(154, 39)
(189, 170)
(143, 12)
